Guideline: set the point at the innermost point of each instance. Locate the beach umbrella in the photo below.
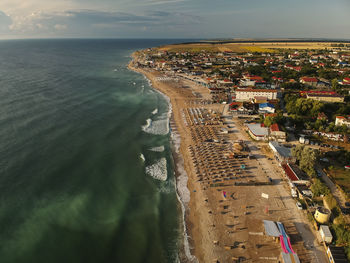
(224, 194)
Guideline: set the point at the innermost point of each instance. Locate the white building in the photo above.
(340, 120)
(249, 94)
(326, 234)
(258, 132)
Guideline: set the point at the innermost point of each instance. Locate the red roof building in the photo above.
(308, 80)
(294, 173)
(274, 127)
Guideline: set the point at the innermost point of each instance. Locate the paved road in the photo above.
(275, 173)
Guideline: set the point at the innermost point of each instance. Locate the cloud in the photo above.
(84, 22)
(60, 27)
(5, 22)
(161, 2)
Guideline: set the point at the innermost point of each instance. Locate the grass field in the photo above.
(341, 176)
(259, 49)
(245, 47)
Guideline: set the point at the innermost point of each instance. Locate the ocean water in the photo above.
(86, 173)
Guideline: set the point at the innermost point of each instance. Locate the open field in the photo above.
(245, 47)
(341, 176)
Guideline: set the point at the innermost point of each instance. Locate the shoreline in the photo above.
(181, 176)
(224, 221)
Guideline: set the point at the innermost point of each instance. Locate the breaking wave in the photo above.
(155, 111)
(142, 157)
(157, 127)
(147, 125)
(157, 149)
(158, 170)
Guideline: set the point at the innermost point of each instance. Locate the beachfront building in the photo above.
(326, 234)
(276, 133)
(294, 174)
(340, 120)
(258, 132)
(282, 154)
(248, 94)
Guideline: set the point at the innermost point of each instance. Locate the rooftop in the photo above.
(257, 129)
(281, 150)
(255, 90)
(274, 127)
(326, 231)
(263, 105)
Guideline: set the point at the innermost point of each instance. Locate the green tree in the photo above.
(306, 157)
(268, 121)
(342, 235)
(318, 188)
(297, 151)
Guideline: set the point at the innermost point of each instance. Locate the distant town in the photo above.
(293, 104)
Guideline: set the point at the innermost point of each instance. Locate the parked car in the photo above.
(299, 205)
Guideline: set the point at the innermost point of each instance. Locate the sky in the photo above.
(202, 19)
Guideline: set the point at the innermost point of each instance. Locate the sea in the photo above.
(86, 164)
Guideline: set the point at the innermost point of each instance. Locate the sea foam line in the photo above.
(182, 193)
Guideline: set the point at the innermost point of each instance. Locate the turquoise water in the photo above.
(73, 185)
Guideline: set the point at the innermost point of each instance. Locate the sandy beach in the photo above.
(225, 211)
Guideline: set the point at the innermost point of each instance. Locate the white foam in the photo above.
(157, 127)
(158, 170)
(183, 195)
(155, 111)
(157, 149)
(142, 157)
(147, 125)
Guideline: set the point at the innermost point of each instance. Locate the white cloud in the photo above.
(83, 23)
(60, 27)
(161, 2)
(5, 22)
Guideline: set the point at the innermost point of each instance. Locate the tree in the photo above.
(306, 157)
(318, 188)
(342, 234)
(297, 151)
(269, 121)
